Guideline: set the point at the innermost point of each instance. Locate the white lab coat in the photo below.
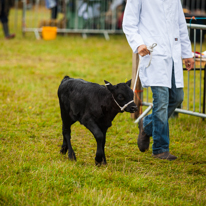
(162, 22)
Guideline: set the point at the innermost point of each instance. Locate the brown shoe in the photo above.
(143, 139)
(165, 155)
(11, 36)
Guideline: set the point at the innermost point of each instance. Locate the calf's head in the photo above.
(123, 96)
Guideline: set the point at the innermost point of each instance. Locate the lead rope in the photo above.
(150, 48)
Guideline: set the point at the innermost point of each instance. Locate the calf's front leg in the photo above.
(100, 138)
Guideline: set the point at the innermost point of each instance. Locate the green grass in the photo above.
(32, 171)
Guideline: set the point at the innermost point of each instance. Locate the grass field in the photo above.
(32, 171)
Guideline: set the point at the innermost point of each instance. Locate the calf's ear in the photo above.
(129, 82)
(109, 85)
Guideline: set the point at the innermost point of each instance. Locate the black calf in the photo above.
(94, 106)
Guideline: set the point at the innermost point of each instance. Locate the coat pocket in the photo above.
(160, 49)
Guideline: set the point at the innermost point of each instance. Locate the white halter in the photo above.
(121, 108)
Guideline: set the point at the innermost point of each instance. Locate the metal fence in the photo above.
(88, 16)
(194, 80)
(74, 16)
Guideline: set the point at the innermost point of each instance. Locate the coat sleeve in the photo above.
(184, 38)
(131, 22)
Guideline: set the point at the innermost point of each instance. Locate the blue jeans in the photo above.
(165, 101)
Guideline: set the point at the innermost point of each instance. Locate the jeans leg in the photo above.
(160, 132)
(176, 96)
(148, 125)
(175, 99)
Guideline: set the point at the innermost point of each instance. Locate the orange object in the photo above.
(49, 33)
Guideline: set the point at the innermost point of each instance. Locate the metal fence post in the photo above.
(23, 17)
(204, 92)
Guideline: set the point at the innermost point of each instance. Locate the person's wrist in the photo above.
(139, 47)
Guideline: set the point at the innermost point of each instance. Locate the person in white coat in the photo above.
(162, 22)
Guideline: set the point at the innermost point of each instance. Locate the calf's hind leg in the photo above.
(67, 139)
(66, 131)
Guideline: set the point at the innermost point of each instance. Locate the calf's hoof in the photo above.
(63, 150)
(104, 162)
(99, 163)
(72, 156)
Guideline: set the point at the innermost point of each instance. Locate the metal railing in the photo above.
(74, 16)
(87, 16)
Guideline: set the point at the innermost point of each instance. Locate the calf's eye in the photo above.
(120, 97)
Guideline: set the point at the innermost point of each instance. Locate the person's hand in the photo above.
(189, 63)
(142, 50)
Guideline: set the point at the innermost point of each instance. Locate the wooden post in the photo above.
(135, 61)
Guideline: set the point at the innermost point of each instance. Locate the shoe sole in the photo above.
(163, 158)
